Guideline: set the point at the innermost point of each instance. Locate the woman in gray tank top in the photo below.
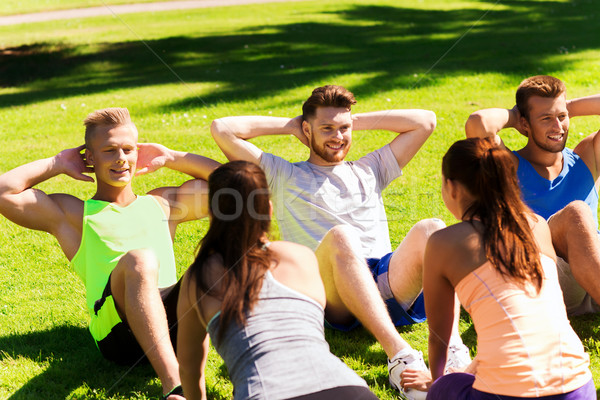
(261, 302)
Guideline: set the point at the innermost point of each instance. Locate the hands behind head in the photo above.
(151, 156)
(517, 124)
(73, 163)
(297, 130)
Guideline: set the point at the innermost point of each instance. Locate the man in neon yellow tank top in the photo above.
(120, 244)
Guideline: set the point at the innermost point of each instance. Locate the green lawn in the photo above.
(176, 71)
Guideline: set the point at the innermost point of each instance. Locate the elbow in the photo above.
(4, 197)
(217, 128)
(474, 124)
(429, 121)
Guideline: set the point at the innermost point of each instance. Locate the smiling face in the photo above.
(548, 124)
(113, 154)
(329, 134)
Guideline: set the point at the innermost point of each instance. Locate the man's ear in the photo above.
(525, 125)
(89, 158)
(306, 129)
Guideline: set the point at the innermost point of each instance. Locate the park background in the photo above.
(176, 71)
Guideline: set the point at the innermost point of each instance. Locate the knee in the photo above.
(577, 212)
(139, 263)
(427, 227)
(339, 244)
(341, 237)
(576, 215)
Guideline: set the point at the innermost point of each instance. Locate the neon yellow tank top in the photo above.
(110, 231)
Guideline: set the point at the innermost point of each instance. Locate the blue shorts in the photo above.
(379, 269)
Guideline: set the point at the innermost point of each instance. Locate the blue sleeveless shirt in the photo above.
(544, 197)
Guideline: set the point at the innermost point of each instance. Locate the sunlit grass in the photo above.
(198, 65)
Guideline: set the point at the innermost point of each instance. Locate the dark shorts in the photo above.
(459, 386)
(341, 393)
(120, 345)
(379, 269)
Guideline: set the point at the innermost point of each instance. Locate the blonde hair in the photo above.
(107, 117)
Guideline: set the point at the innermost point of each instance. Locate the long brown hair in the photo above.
(488, 173)
(240, 219)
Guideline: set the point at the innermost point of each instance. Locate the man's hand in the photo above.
(72, 162)
(297, 131)
(515, 121)
(151, 157)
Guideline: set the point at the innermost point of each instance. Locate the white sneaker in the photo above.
(458, 358)
(406, 359)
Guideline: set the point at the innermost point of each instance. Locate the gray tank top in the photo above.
(281, 352)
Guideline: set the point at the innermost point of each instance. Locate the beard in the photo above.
(327, 155)
(551, 147)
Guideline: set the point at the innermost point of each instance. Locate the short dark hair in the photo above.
(540, 85)
(327, 96)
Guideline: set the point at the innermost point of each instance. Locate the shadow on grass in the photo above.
(358, 345)
(71, 360)
(395, 46)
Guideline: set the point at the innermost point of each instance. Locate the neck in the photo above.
(532, 153)
(121, 196)
(317, 160)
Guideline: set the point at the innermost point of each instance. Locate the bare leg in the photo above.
(406, 279)
(406, 264)
(134, 287)
(575, 239)
(351, 290)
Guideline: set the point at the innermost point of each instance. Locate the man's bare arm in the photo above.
(490, 121)
(232, 133)
(188, 201)
(413, 128)
(589, 148)
(31, 208)
(152, 156)
(582, 106)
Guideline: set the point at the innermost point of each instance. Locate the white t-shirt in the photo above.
(309, 199)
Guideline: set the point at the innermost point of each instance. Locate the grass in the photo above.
(176, 71)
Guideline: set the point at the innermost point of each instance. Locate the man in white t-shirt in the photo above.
(335, 207)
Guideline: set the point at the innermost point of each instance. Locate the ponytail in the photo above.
(240, 219)
(488, 173)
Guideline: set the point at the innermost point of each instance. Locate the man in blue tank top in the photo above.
(557, 183)
(120, 244)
